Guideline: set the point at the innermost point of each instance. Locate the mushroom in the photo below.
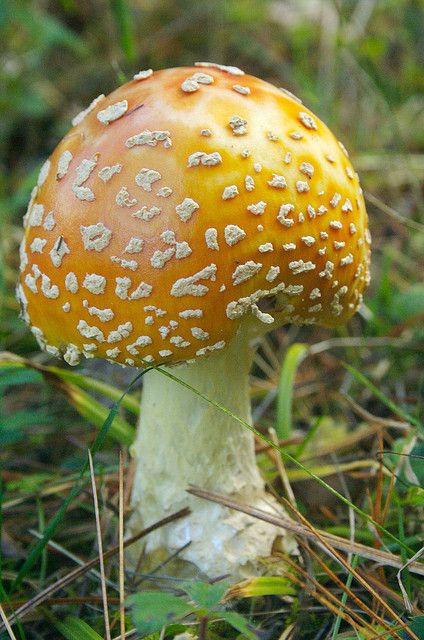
(187, 213)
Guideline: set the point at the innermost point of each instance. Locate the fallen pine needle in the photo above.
(121, 549)
(6, 624)
(100, 548)
(281, 468)
(80, 571)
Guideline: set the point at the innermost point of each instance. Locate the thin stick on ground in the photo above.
(382, 206)
(388, 592)
(288, 523)
(345, 588)
(408, 603)
(121, 549)
(100, 548)
(6, 624)
(355, 574)
(76, 573)
(57, 547)
(321, 595)
(315, 588)
(281, 468)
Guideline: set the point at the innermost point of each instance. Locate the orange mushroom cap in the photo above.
(185, 201)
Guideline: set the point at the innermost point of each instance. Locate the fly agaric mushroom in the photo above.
(185, 214)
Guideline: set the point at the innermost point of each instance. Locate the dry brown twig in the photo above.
(382, 557)
(351, 570)
(7, 624)
(121, 549)
(355, 618)
(100, 547)
(76, 573)
(278, 459)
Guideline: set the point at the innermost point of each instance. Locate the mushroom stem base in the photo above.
(182, 440)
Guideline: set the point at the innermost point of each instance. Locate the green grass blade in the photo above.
(293, 357)
(308, 437)
(1, 523)
(10, 375)
(49, 531)
(401, 527)
(383, 398)
(11, 614)
(239, 623)
(50, 31)
(17, 372)
(44, 555)
(262, 586)
(124, 25)
(54, 523)
(344, 597)
(20, 371)
(76, 629)
(93, 411)
(130, 403)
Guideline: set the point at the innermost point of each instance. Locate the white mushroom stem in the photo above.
(182, 440)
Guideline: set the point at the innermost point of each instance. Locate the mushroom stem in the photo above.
(183, 439)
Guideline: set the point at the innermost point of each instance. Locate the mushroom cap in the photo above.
(184, 203)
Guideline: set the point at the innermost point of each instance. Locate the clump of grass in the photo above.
(324, 587)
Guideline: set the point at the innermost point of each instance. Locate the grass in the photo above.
(347, 407)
